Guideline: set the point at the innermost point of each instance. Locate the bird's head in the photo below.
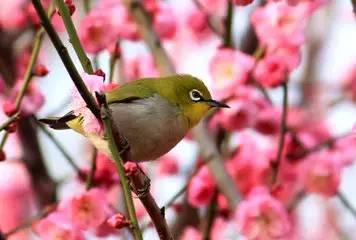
(193, 98)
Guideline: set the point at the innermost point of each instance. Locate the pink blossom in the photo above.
(90, 124)
(261, 216)
(201, 188)
(56, 227)
(229, 69)
(168, 165)
(242, 2)
(105, 174)
(249, 170)
(280, 24)
(13, 14)
(120, 19)
(215, 7)
(243, 111)
(87, 209)
(197, 22)
(322, 173)
(118, 221)
(141, 66)
(164, 21)
(349, 82)
(271, 71)
(16, 197)
(191, 233)
(268, 120)
(93, 31)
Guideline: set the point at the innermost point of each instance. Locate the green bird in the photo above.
(151, 114)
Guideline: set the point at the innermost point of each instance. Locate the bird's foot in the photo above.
(140, 184)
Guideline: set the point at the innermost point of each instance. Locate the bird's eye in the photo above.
(195, 95)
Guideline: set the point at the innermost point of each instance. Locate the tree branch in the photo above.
(347, 204)
(106, 118)
(282, 132)
(67, 61)
(73, 36)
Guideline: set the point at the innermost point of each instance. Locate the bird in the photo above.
(151, 114)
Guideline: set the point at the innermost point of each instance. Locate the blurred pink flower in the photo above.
(321, 173)
(271, 71)
(201, 188)
(93, 31)
(242, 2)
(268, 120)
(16, 197)
(141, 66)
(13, 14)
(349, 82)
(279, 24)
(94, 83)
(164, 21)
(197, 22)
(55, 226)
(191, 233)
(168, 165)
(216, 7)
(243, 111)
(229, 69)
(87, 209)
(246, 169)
(118, 221)
(261, 216)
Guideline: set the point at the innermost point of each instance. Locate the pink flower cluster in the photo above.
(110, 21)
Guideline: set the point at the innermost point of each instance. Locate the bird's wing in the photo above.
(129, 92)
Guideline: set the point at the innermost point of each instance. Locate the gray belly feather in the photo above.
(151, 126)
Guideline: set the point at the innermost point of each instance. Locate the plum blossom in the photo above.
(17, 202)
(243, 111)
(55, 226)
(280, 24)
(322, 173)
(168, 165)
(197, 22)
(87, 209)
(242, 2)
(271, 71)
(164, 21)
(246, 169)
(13, 14)
(201, 188)
(229, 69)
(261, 216)
(268, 120)
(141, 66)
(191, 233)
(90, 123)
(93, 31)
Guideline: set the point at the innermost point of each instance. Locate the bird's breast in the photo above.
(151, 126)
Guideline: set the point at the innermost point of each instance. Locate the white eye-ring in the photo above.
(195, 95)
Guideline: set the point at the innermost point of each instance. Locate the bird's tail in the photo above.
(58, 122)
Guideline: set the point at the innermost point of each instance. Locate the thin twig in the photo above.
(10, 120)
(282, 133)
(228, 40)
(105, 115)
(346, 203)
(67, 61)
(327, 143)
(90, 177)
(113, 59)
(73, 36)
(66, 155)
(210, 216)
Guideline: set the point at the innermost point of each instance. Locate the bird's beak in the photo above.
(214, 103)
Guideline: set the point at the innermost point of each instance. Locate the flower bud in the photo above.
(40, 70)
(9, 108)
(118, 221)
